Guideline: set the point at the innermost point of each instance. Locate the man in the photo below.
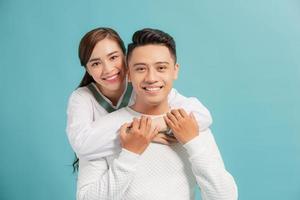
(146, 170)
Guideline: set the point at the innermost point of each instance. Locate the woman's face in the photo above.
(107, 66)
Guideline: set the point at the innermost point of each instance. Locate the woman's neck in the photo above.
(113, 96)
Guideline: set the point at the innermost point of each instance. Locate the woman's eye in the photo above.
(114, 57)
(95, 64)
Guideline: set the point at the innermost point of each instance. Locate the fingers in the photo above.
(183, 113)
(171, 139)
(169, 122)
(143, 124)
(135, 124)
(161, 141)
(164, 139)
(149, 125)
(171, 118)
(130, 125)
(177, 114)
(123, 130)
(154, 133)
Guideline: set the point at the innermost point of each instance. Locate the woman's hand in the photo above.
(183, 126)
(136, 136)
(161, 137)
(165, 139)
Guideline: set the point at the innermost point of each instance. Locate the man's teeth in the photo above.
(153, 88)
(112, 77)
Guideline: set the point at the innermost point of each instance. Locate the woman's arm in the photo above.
(191, 104)
(90, 138)
(101, 179)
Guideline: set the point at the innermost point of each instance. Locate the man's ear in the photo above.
(176, 71)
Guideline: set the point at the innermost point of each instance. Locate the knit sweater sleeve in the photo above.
(191, 104)
(100, 180)
(90, 138)
(215, 182)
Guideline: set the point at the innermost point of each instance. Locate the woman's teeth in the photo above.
(112, 77)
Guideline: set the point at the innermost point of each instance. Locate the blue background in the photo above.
(240, 58)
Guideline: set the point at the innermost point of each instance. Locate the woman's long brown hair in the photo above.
(86, 47)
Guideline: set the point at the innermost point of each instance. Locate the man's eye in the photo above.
(162, 68)
(140, 69)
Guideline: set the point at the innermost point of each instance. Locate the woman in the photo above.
(104, 89)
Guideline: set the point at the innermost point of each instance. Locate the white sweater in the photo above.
(161, 172)
(90, 128)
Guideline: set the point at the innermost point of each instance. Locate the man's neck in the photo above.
(148, 109)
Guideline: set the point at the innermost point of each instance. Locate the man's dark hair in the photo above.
(148, 36)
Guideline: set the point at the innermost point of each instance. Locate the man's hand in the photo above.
(137, 137)
(183, 126)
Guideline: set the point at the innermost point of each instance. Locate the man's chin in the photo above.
(154, 102)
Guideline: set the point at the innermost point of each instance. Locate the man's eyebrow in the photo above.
(138, 64)
(162, 62)
(157, 63)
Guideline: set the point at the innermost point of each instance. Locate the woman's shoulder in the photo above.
(81, 93)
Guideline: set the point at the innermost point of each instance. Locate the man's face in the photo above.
(152, 71)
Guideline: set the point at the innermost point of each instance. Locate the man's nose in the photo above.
(151, 76)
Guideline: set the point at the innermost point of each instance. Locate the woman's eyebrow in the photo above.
(112, 53)
(94, 59)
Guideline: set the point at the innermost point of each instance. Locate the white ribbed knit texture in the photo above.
(160, 173)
